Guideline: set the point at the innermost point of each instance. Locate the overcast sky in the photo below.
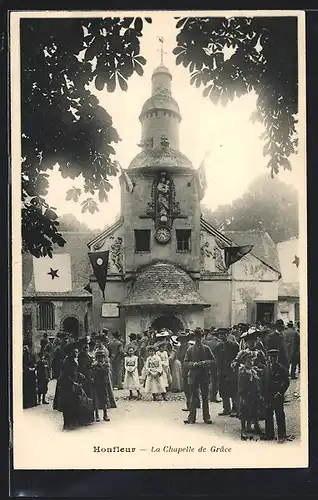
(236, 150)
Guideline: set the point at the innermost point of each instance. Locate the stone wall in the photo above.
(63, 309)
(218, 294)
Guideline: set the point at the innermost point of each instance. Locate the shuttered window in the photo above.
(46, 317)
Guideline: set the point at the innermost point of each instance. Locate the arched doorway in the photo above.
(71, 326)
(167, 321)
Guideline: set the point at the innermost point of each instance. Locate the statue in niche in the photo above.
(163, 197)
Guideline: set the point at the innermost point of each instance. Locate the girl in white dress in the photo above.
(154, 381)
(131, 380)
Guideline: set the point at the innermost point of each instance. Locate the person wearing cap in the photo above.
(275, 340)
(29, 378)
(175, 365)
(116, 355)
(290, 336)
(153, 370)
(199, 359)
(102, 390)
(225, 353)
(277, 383)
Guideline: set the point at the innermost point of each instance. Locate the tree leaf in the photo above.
(99, 83)
(122, 83)
(139, 69)
(181, 22)
(138, 24)
(140, 59)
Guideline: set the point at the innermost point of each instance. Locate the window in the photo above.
(46, 319)
(142, 240)
(183, 240)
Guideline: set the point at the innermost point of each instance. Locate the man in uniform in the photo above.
(199, 359)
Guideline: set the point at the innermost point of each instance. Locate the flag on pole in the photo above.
(53, 275)
(234, 254)
(127, 180)
(99, 261)
(201, 178)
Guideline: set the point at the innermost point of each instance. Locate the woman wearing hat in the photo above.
(153, 371)
(175, 365)
(102, 390)
(163, 355)
(250, 366)
(131, 380)
(73, 402)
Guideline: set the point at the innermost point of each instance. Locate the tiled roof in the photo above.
(264, 247)
(160, 157)
(76, 247)
(163, 284)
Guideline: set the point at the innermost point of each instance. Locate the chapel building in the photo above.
(166, 263)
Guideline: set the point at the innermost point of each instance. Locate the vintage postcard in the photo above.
(159, 240)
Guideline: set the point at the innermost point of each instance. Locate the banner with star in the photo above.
(99, 261)
(53, 274)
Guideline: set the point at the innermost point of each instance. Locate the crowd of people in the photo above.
(248, 366)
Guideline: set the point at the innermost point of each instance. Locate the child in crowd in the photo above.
(100, 379)
(131, 380)
(43, 377)
(154, 381)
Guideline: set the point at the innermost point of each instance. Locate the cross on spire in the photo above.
(161, 40)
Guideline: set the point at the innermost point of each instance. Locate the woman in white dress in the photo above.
(131, 380)
(153, 371)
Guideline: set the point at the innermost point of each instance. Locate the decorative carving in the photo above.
(215, 253)
(116, 253)
(256, 270)
(163, 208)
(164, 142)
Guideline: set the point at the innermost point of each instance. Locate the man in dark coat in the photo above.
(59, 355)
(184, 341)
(199, 359)
(275, 340)
(29, 379)
(225, 353)
(213, 341)
(116, 356)
(290, 336)
(277, 383)
(295, 359)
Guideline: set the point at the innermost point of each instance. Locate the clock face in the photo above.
(163, 235)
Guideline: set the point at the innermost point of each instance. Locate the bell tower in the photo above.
(162, 214)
